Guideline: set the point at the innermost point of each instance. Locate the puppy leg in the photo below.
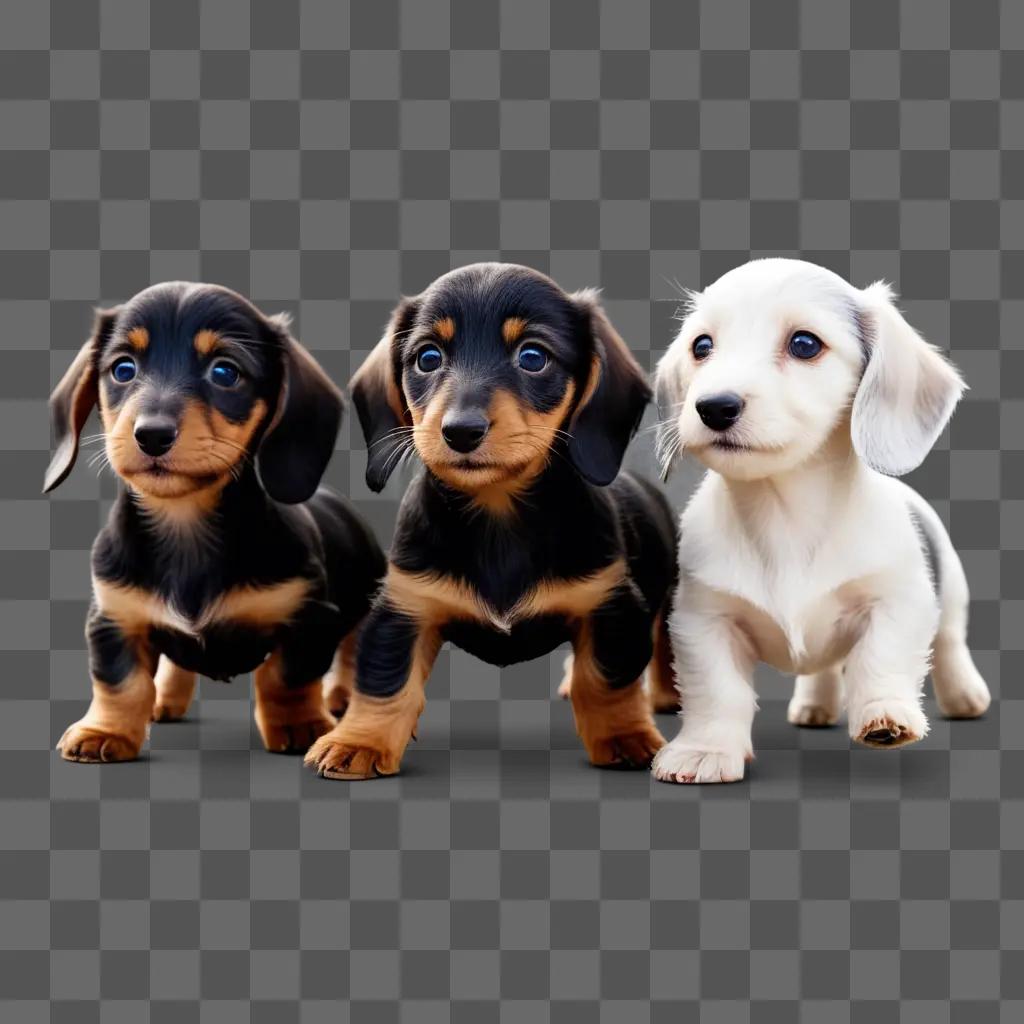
(115, 726)
(714, 670)
(816, 698)
(565, 686)
(340, 680)
(612, 712)
(393, 662)
(885, 670)
(175, 688)
(661, 679)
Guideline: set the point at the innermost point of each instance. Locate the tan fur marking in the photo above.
(444, 328)
(615, 726)
(512, 329)
(371, 738)
(175, 687)
(289, 718)
(136, 610)
(206, 341)
(138, 338)
(576, 598)
(114, 728)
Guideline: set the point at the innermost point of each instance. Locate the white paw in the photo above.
(682, 762)
(970, 701)
(890, 722)
(801, 712)
(565, 686)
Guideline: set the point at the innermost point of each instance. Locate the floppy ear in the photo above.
(669, 394)
(297, 445)
(907, 393)
(612, 403)
(73, 398)
(377, 394)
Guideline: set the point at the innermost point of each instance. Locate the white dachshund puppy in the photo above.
(804, 396)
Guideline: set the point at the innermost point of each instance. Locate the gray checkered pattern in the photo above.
(325, 156)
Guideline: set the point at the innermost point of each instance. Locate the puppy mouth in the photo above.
(725, 444)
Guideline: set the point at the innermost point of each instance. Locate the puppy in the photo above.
(220, 555)
(519, 535)
(804, 396)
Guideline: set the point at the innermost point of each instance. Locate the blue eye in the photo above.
(225, 374)
(532, 359)
(702, 347)
(804, 345)
(123, 370)
(429, 358)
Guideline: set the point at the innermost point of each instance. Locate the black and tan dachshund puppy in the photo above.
(220, 556)
(520, 534)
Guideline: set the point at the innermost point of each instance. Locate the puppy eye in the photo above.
(532, 358)
(429, 358)
(702, 347)
(225, 374)
(123, 370)
(804, 345)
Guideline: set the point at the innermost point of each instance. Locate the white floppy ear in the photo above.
(669, 395)
(907, 393)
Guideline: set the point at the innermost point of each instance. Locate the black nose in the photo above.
(720, 412)
(465, 431)
(155, 436)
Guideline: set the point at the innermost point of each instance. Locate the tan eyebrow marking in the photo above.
(138, 338)
(445, 328)
(206, 341)
(512, 329)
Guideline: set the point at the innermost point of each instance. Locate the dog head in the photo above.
(191, 381)
(778, 354)
(488, 371)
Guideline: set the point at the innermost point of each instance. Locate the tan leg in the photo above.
(340, 681)
(371, 739)
(289, 718)
(661, 679)
(175, 687)
(115, 726)
(615, 725)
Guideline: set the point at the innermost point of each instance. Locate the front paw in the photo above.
(169, 710)
(814, 716)
(689, 763)
(888, 723)
(337, 756)
(284, 737)
(90, 745)
(971, 701)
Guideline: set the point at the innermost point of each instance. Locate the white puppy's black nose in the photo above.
(155, 436)
(720, 412)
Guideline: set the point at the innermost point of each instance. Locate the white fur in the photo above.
(795, 549)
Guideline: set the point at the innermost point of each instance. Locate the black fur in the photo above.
(249, 538)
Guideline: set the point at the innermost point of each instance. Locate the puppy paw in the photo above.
(888, 723)
(169, 710)
(681, 762)
(294, 737)
(633, 749)
(815, 716)
(85, 743)
(565, 686)
(334, 757)
(971, 701)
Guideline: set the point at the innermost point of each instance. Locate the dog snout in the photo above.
(464, 431)
(720, 412)
(155, 435)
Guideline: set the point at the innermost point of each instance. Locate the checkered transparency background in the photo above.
(323, 157)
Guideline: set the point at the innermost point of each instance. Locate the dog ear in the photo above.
(613, 401)
(669, 395)
(380, 403)
(299, 441)
(907, 392)
(73, 398)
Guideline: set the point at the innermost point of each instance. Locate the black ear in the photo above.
(299, 441)
(612, 403)
(379, 400)
(73, 398)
